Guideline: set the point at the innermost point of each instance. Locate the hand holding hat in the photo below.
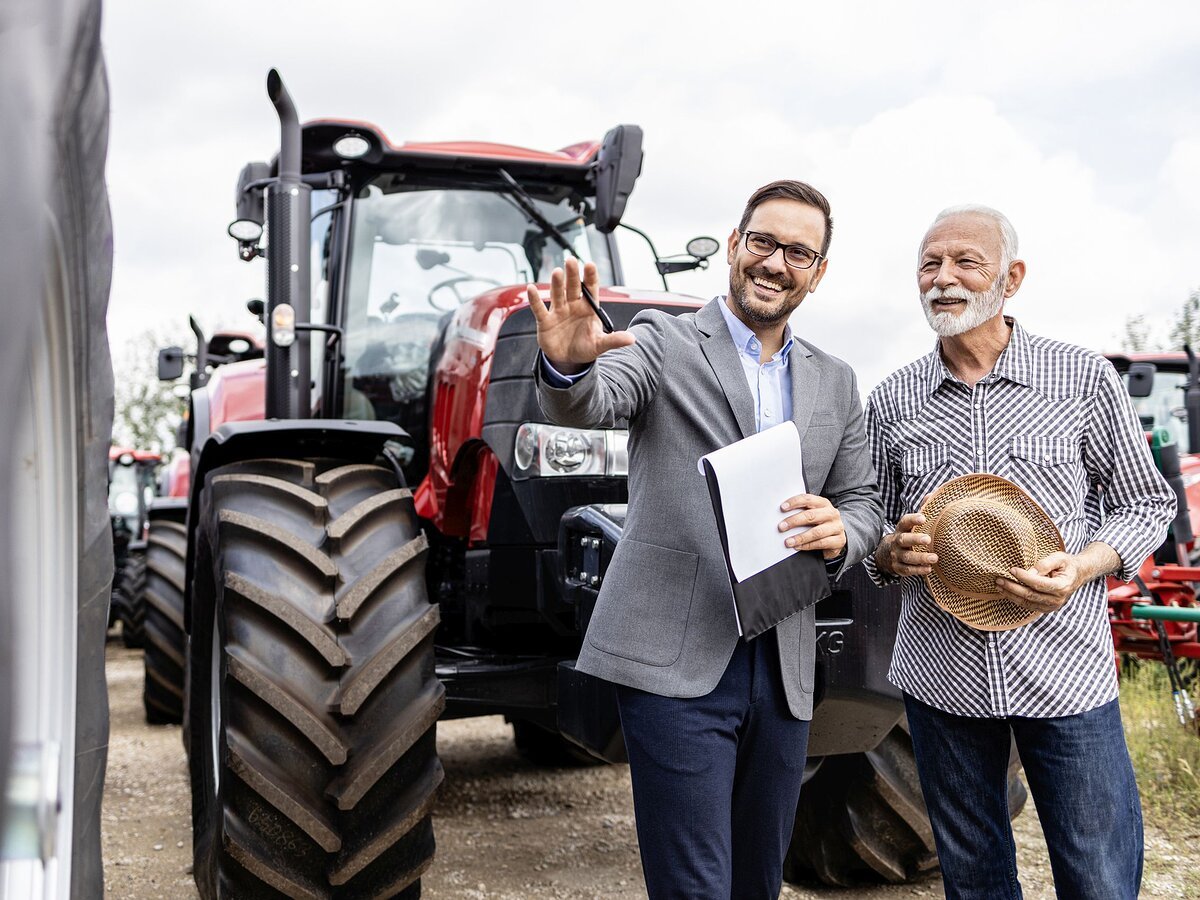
(1000, 559)
(1047, 584)
(906, 551)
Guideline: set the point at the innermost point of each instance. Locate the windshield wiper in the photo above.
(524, 202)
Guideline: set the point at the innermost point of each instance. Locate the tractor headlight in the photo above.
(544, 450)
(351, 146)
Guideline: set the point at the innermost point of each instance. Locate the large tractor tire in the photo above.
(164, 636)
(129, 598)
(56, 550)
(313, 697)
(862, 818)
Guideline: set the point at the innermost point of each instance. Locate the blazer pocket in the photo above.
(644, 604)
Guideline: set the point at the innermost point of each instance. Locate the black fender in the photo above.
(351, 440)
(168, 507)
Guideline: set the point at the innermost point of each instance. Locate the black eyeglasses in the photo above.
(795, 255)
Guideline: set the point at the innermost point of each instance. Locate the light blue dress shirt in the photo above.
(770, 383)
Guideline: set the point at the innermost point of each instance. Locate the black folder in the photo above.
(776, 593)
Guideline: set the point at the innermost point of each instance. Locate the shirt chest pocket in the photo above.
(923, 468)
(1050, 468)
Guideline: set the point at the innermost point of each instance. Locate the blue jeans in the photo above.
(716, 780)
(1082, 783)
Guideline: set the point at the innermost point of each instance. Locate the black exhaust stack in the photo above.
(1191, 400)
(289, 209)
(200, 373)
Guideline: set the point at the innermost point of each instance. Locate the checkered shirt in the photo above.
(1056, 420)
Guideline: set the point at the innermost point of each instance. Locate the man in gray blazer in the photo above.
(716, 727)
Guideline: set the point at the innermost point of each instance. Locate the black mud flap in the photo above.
(587, 713)
(587, 706)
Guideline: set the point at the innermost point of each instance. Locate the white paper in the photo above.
(756, 474)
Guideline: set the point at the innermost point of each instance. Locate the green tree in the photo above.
(1186, 328)
(146, 411)
(1136, 336)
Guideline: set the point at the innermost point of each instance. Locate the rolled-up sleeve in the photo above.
(1137, 502)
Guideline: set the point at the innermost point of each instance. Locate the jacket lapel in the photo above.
(718, 348)
(806, 385)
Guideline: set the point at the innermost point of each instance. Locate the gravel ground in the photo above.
(505, 829)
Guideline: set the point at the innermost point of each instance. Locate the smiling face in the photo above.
(962, 276)
(764, 292)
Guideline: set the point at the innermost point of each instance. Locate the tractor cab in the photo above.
(405, 236)
(222, 348)
(417, 253)
(1165, 389)
(131, 475)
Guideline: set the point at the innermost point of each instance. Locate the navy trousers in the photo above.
(716, 780)
(1082, 783)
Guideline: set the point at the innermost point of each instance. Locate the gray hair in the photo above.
(1008, 234)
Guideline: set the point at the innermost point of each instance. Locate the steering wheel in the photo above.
(453, 284)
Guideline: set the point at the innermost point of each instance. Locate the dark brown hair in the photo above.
(790, 190)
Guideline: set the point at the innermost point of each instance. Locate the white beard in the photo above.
(981, 306)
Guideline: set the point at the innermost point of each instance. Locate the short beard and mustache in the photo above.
(739, 290)
(981, 306)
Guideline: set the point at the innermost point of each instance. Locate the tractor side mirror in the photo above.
(698, 248)
(618, 166)
(251, 203)
(1140, 379)
(170, 363)
(247, 227)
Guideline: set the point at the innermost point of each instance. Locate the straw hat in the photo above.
(982, 526)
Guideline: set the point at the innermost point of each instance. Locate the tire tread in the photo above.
(329, 697)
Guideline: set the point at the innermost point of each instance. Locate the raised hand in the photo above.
(568, 331)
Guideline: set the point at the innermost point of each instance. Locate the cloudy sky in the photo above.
(1080, 120)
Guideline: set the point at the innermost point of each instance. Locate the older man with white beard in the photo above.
(1056, 420)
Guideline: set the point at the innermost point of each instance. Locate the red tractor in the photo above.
(1165, 388)
(131, 476)
(160, 600)
(383, 530)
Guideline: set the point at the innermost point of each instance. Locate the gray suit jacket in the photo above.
(664, 620)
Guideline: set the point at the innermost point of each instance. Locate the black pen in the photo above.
(597, 309)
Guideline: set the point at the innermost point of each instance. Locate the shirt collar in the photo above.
(745, 340)
(1012, 364)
